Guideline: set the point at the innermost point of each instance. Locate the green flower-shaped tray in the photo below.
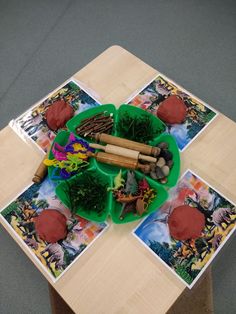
(106, 173)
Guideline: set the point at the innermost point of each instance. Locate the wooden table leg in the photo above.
(58, 305)
(197, 300)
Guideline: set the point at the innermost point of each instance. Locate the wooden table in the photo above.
(117, 274)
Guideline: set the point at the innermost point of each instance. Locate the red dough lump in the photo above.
(51, 225)
(58, 114)
(172, 110)
(186, 222)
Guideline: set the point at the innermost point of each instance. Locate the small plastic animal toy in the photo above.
(69, 159)
(118, 182)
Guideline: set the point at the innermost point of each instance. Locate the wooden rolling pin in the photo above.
(119, 161)
(121, 151)
(122, 142)
(41, 172)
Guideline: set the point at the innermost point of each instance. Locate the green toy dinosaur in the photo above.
(118, 182)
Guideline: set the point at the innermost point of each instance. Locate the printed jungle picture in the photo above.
(44, 121)
(188, 257)
(55, 257)
(198, 115)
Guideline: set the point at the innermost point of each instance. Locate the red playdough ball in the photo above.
(172, 110)
(58, 114)
(186, 222)
(51, 226)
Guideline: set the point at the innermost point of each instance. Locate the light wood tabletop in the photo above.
(117, 274)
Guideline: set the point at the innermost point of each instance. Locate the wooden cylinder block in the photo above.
(121, 151)
(116, 160)
(41, 172)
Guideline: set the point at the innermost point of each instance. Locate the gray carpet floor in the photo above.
(44, 42)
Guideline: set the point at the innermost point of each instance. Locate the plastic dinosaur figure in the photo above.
(148, 196)
(131, 185)
(135, 197)
(143, 185)
(127, 208)
(118, 182)
(123, 198)
(70, 158)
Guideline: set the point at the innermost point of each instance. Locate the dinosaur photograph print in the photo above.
(189, 258)
(35, 124)
(198, 114)
(55, 258)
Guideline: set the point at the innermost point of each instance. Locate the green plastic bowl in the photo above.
(160, 198)
(108, 172)
(62, 192)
